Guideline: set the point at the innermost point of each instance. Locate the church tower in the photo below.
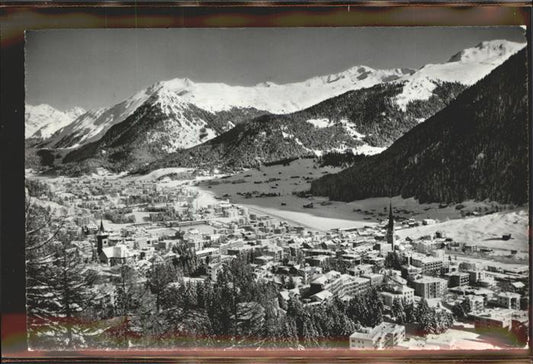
(101, 239)
(390, 228)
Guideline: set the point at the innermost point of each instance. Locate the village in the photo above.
(140, 223)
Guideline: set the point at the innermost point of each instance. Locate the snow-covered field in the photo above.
(461, 337)
(159, 173)
(326, 215)
(482, 230)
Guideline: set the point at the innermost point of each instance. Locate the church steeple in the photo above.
(390, 227)
(101, 239)
(101, 229)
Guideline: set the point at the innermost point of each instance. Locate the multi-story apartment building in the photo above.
(477, 303)
(458, 279)
(429, 265)
(403, 294)
(385, 335)
(509, 300)
(430, 287)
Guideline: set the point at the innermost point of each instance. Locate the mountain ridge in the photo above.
(273, 98)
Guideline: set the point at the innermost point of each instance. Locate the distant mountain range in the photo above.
(219, 101)
(475, 148)
(181, 122)
(43, 120)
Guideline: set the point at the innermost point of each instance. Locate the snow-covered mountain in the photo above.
(476, 148)
(217, 98)
(163, 124)
(173, 115)
(467, 67)
(365, 121)
(280, 99)
(41, 121)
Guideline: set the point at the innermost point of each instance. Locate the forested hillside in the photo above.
(475, 148)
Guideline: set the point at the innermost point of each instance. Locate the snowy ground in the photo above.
(158, 173)
(327, 215)
(460, 337)
(482, 230)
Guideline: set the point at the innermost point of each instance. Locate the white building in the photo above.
(385, 335)
(403, 294)
(430, 287)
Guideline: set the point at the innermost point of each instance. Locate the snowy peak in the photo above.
(93, 124)
(277, 98)
(75, 112)
(466, 67)
(41, 121)
(361, 75)
(488, 51)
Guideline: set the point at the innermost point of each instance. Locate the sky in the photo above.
(94, 68)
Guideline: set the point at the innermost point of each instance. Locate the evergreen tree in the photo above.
(398, 312)
(410, 315)
(366, 309)
(158, 278)
(56, 284)
(459, 311)
(187, 260)
(432, 320)
(393, 260)
(127, 295)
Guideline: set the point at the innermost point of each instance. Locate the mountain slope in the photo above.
(43, 120)
(475, 148)
(357, 119)
(161, 125)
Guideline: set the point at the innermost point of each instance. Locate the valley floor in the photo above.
(245, 188)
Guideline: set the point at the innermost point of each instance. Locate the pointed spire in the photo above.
(101, 230)
(390, 227)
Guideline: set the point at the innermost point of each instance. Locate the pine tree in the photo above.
(375, 303)
(393, 260)
(159, 276)
(398, 312)
(57, 287)
(128, 295)
(459, 311)
(432, 320)
(187, 260)
(309, 333)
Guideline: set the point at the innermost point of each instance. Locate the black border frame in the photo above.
(17, 16)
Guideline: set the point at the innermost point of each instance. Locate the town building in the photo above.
(430, 287)
(508, 300)
(476, 303)
(458, 279)
(428, 265)
(403, 294)
(384, 336)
